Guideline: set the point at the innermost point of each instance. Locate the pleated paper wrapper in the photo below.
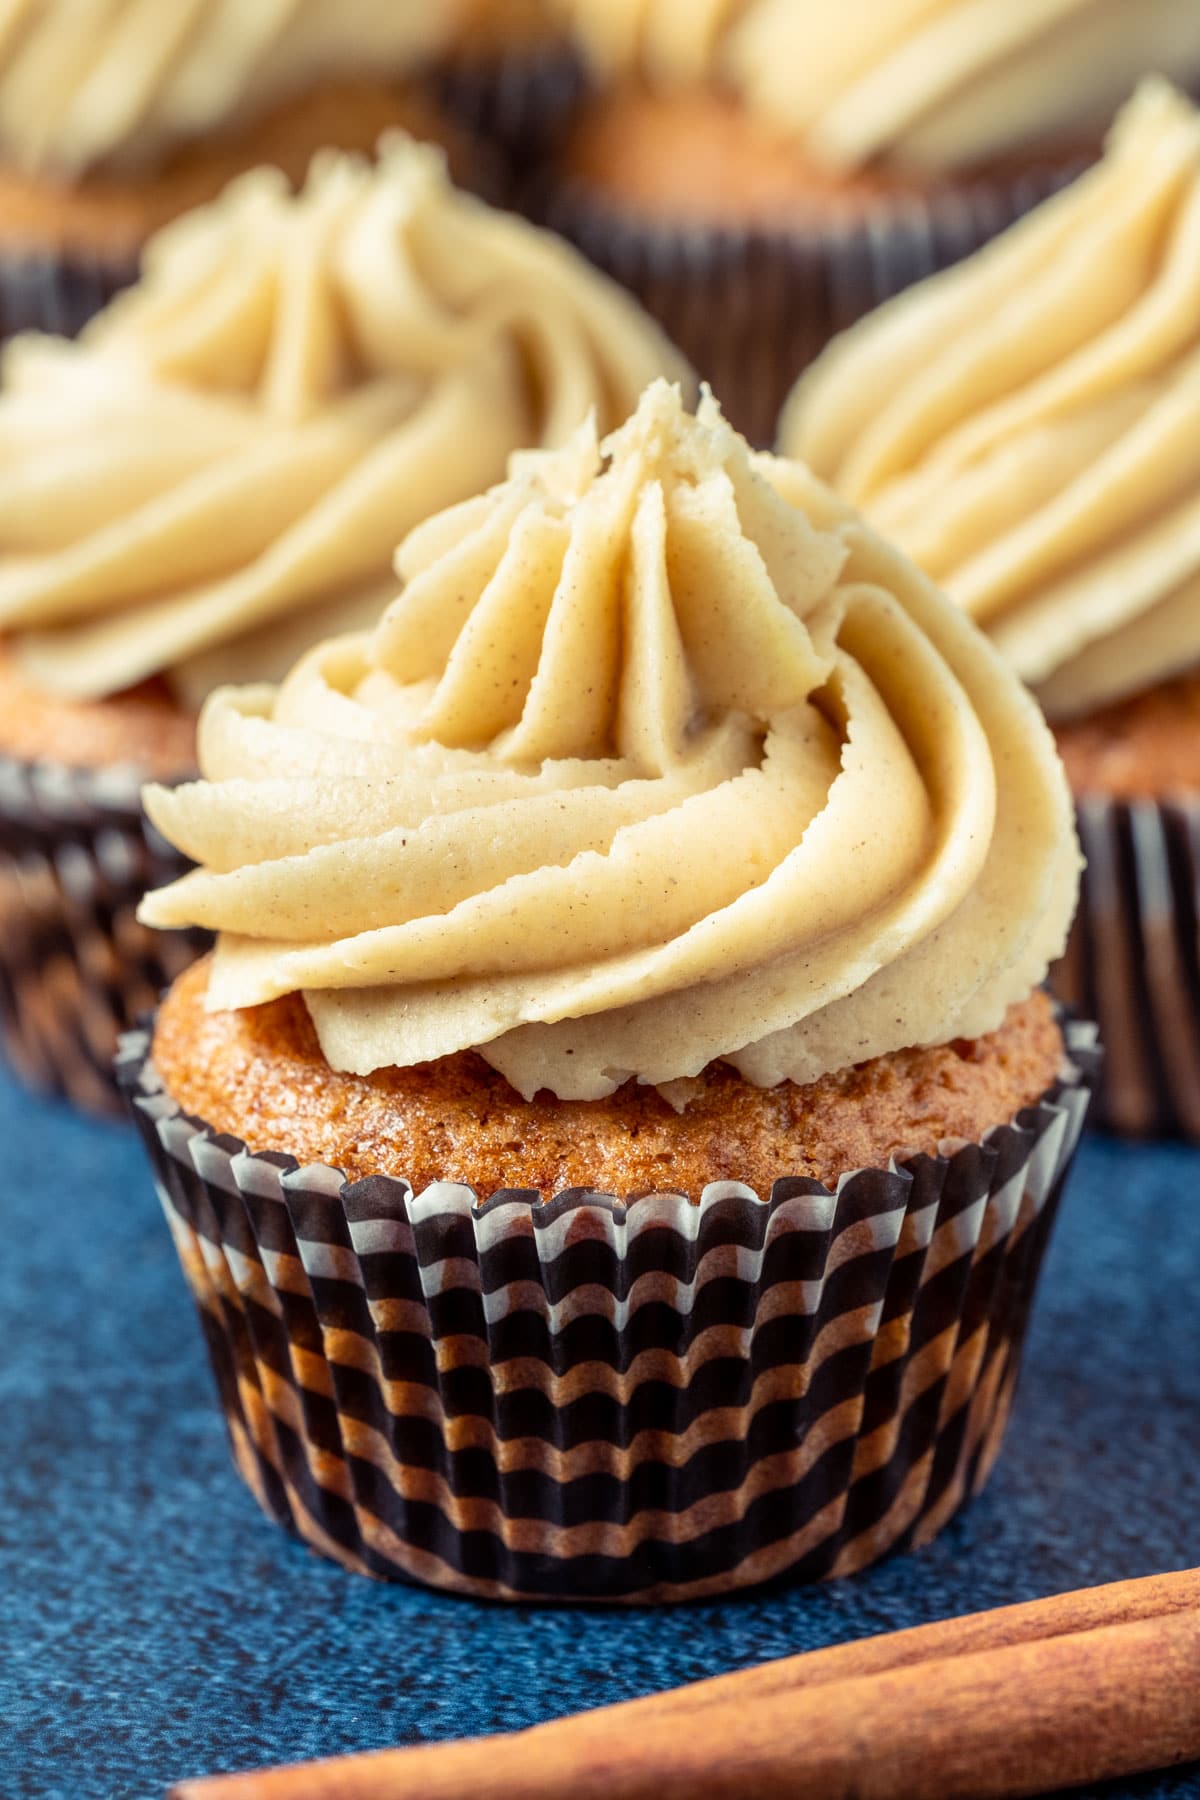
(751, 308)
(590, 1399)
(58, 291)
(1133, 962)
(76, 969)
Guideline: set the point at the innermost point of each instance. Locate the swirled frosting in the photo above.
(85, 83)
(218, 472)
(1027, 426)
(936, 84)
(660, 757)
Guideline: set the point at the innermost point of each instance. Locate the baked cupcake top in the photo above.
(935, 84)
(217, 473)
(1026, 425)
(117, 83)
(660, 757)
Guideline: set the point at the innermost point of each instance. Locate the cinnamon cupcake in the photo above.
(1026, 428)
(614, 1140)
(763, 172)
(114, 122)
(213, 477)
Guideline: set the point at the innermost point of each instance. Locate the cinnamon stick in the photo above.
(1022, 1701)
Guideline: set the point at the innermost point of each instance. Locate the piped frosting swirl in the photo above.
(933, 84)
(660, 757)
(118, 83)
(217, 473)
(1027, 425)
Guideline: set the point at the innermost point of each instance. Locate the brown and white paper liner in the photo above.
(626, 1402)
(1134, 961)
(76, 968)
(57, 291)
(752, 308)
(520, 101)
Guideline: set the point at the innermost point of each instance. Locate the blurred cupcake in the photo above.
(763, 172)
(214, 476)
(1027, 428)
(613, 1143)
(116, 116)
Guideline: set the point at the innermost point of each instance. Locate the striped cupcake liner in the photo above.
(56, 291)
(520, 102)
(752, 308)
(1133, 961)
(590, 1399)
(76, 969)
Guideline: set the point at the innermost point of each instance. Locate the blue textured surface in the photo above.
(153, 1624)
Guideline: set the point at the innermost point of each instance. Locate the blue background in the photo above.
(154, 1625)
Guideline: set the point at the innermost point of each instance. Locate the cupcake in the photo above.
(1026, 427)
(213, 477)
(614, 1139)
(763, 172)
(114, 122)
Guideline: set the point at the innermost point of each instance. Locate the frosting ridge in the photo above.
(1026, 425)
(660, 757)
(933, 84)
(221, 466)
(87, 83)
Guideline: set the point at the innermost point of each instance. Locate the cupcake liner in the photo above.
(1134, 961)
(76, 968)
(589, 1399)
(520, 101)
(752, 308)
(57, 291)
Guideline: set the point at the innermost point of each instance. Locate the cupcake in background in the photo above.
(627, 986)
(1028, 427)
(763, 172)
(214, 475)
(117, 117)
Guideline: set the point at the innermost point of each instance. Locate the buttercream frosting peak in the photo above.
(1026, 425)
(938, 84)
(237, 443)
(659, 757)
(627, 591)
(88, 83)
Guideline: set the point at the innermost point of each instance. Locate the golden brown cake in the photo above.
(698, 157)
(1137, 748)
(260, 1075)
(144, 726)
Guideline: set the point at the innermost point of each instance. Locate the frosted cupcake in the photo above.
(214, 477)
(1025, 427)
(795, 165)
(621, 1073)
(116, 118)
